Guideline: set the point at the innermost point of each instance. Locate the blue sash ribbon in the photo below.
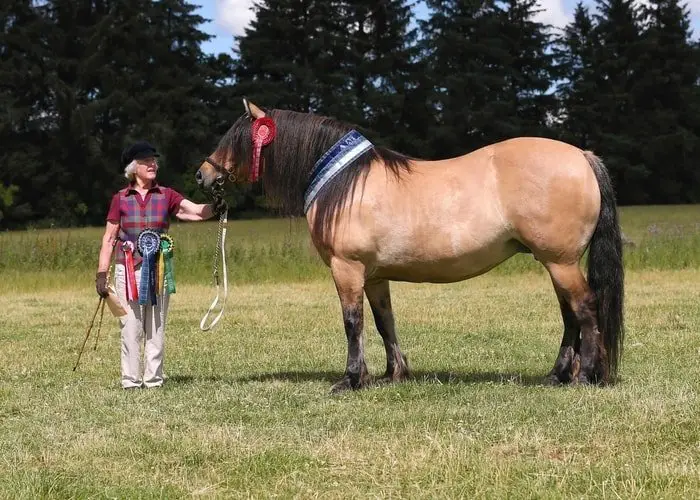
(148, 244)
(348, 149)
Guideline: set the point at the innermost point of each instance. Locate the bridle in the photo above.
(230, 174)
(263, 131)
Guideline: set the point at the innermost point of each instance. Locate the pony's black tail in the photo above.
(606, 274)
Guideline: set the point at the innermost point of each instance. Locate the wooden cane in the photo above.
(99, 325)
(87, 333)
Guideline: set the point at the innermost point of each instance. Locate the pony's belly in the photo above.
(448, 269)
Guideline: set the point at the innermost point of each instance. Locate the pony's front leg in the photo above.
(379, 297)
(349, 282)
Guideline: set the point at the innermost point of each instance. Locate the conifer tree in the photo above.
(667, 98)
(491, 71)
(575, 52)
(618, 66)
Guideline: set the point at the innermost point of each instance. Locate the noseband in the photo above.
(221, 169)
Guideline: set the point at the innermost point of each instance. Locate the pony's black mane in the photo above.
(289, 160)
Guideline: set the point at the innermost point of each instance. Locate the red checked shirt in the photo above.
(134, 214)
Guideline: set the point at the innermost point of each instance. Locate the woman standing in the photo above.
(137, 222)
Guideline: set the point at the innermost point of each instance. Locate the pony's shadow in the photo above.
(288, 376)
(417, 377)
(474, 378)
(294, 376)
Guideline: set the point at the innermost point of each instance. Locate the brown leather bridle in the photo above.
(231, 174)
(266, 126)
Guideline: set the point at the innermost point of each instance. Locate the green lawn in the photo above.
(246, 410)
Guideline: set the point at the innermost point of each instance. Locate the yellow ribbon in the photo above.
(161, 273)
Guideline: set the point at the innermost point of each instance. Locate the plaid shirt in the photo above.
(134, 214)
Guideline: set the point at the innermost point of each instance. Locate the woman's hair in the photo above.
(129, 170)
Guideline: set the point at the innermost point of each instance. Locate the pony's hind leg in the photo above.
(589, 359)
(349, 282)
(567, 363)
(379, 298)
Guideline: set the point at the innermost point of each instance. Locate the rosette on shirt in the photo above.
(132, 292)
(166, 252)
(149, 246)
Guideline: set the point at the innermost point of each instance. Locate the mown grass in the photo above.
(246, 413)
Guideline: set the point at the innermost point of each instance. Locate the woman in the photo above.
(143, 206)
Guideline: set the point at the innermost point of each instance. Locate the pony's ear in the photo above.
(252, 110)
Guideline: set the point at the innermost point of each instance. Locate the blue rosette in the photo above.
(148, 244)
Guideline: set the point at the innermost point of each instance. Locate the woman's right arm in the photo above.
(108, 241)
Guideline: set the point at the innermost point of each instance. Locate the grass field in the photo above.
(246, 411)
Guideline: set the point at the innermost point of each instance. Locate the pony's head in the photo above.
(281, 148)
(231, 160)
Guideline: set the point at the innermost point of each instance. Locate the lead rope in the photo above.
(220, 247)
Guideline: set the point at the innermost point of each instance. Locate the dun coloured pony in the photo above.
(375, 215)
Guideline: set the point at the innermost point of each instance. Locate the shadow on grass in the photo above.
(418, 377)
(487, 377)
(289, 376)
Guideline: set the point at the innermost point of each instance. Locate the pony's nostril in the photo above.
(198, 176)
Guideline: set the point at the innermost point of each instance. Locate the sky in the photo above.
(229, 17)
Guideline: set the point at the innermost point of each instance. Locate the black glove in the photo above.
(101, 284)
(218, 206)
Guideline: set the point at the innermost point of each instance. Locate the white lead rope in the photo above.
(220, 247)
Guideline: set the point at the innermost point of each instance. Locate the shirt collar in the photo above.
(131, 189)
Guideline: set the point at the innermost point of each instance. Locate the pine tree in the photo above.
(455, 39)
(531, 72)
(84, 78)
(490, 69)
(23, 96)
(279, 54)
(668, 102)
(575, 53)
(382, 91)
(23, 49)
(618, 66)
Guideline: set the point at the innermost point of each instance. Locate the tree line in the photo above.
(80, 79)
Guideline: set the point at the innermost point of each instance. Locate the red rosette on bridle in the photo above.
(264, 130)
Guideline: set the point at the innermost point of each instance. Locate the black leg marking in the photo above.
(379, 297)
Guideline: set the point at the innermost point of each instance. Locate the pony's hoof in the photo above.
(396, 372)
(392, 378)
(346, 384)
(592, 377)
(554, 380)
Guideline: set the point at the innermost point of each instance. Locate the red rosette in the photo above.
(132, 293)
(264, 131)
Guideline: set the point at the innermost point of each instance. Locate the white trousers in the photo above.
(139, 320)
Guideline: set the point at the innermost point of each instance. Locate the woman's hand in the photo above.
(198, 211)
(101, 284)
(218, 206)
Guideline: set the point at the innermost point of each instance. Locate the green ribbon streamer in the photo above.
(166, 247)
